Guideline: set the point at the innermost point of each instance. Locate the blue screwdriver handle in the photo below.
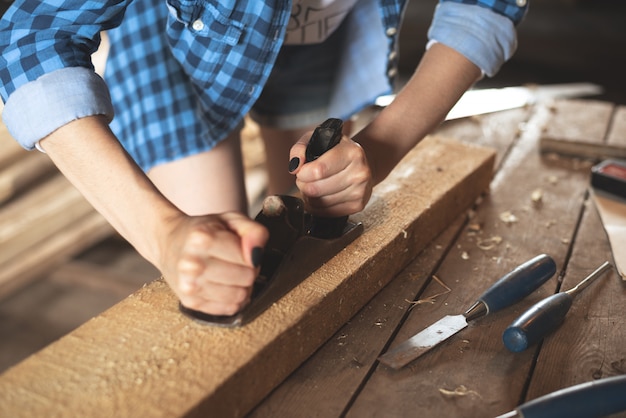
(545, 316)
(517, 284)
(597, 398)
(537, 322)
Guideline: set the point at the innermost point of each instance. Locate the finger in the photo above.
(345, 154)
(334, 206)
(297, 153)
(215, 240)
(196, 273)
(220, 288)
(252, 235)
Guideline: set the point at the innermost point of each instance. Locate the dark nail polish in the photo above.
(257, 256)
(293, 164)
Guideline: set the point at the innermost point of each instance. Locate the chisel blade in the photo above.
(511, 288)
(423, 341)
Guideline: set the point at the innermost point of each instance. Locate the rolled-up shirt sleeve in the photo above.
(482, 31)
(46, 75)
(38, 108)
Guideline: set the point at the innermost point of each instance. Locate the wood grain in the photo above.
(580, 128)
(617, 132)
(472, 374)
(42, 229)
(325, 385)
(592, 329)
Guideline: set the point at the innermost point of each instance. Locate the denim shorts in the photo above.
(298, 92)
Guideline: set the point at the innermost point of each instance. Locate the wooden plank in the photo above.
(11, 151)
(579, 128)
(326, 383)
(143, 358)
(495, 130)
(42, 213)
(22, 173)
(97, 277)
(617, 133)
(592, 331)
(45, 255)
(472, 374)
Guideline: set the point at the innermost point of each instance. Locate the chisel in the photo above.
(545, 316)
(511, 288)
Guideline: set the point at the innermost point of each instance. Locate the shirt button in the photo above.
(197, 25)
(391, 31)
(520, 3)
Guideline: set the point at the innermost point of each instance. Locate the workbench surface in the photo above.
(538, 203)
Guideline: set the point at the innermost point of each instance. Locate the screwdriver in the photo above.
(545, 316)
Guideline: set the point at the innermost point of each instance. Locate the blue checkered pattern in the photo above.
(181, 73)
(36, 38)
(179, 91)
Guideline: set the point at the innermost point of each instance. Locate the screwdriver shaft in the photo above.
(587, 281)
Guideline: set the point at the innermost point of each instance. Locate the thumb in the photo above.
(297, 154)
(252, 234)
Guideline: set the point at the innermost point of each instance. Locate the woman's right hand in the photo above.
(211, 261)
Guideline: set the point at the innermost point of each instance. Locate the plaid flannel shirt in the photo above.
(182, 74)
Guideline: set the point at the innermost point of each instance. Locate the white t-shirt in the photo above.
(313, 21)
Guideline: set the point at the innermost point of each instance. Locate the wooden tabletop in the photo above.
(538, 203)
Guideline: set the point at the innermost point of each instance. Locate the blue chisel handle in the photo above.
(514, 286)
(598, 398)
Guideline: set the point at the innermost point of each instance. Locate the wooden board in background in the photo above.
(587, 129)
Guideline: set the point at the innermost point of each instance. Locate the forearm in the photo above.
(442, 76)
(89, 155)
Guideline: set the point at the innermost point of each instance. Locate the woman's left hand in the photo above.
(338, 183)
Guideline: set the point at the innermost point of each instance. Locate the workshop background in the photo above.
(560, 41)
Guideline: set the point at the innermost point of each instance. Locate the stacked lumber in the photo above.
(44, 220)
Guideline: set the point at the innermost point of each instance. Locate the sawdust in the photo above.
(430, 299)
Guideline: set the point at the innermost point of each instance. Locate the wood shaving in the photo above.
(508, 217)
(461, 390)
(430, 299)
(537, 197)
(489, 243)
(475, 227)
